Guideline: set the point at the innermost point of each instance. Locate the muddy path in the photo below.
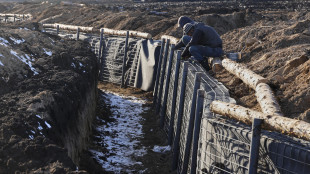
(126, 136)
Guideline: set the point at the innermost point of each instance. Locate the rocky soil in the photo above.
(273, 38)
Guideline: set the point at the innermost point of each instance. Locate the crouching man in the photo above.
(201, 42)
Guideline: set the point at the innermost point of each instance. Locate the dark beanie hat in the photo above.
(184, 20)
(187, 27)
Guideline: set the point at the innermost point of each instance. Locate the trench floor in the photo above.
(127, 137)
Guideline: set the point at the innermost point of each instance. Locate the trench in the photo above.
(131, 141)
(126, 136)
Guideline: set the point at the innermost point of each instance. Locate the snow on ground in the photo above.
(121, 137)
(26, 59)
(17, 41)
(3, 42)
(47, 124)
(49, 53)
(161, 149)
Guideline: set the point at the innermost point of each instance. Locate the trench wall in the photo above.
(201, 141)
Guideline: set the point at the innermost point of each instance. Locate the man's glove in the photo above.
(186, 53)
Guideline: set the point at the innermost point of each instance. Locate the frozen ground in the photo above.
(121, 136)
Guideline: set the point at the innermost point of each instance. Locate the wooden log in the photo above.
(216, 64)
(267, 100)
(69, 27)
(246, 75)
(16, 15)
(173, 40)
(49, 26)
(124, 33)
(298, 128)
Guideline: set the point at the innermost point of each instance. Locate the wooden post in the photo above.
(23, 16)
(158, 71)
(176, 144)
(124, 60)
(57, 29)
(78, 34)
(174, 96)
(14, 18)
(162, 75)
(163, 109)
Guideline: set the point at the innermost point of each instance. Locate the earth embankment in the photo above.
(48, 98)
(45, 79)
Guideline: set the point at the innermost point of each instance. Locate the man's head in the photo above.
(184, 20)
(188, 29)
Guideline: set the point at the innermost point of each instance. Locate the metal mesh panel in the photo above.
(281, 154)
(178, 100)
(186, 116)
(132, 62)
(165, 75)
(112, 60)
(161, 74)
(170, 95)
(223, 147)
(113, 54)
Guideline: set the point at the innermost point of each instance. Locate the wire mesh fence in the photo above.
(202, 142)
(170, 103)
(113, 57)
(223, 148)
(211, 143)
(281, 154)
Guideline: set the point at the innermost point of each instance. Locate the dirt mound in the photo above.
(39, 75)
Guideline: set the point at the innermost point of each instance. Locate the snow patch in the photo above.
(158, 13)
(31, 137)
(4, 42)
(40, 127)
(21, 28)
(48, 125)
(26, 59)
(39, 116)
(1, 63)
(121, 138)
(161, 149)
(49, 53)
(17, 41)
(73, 65)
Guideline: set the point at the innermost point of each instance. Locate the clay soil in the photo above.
(272, 36)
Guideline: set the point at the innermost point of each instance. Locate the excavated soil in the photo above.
(272, 36)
